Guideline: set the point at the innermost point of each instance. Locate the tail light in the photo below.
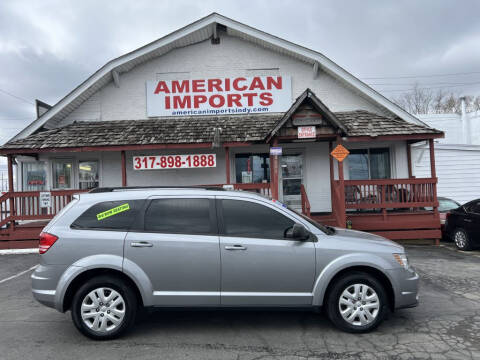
(46, 242)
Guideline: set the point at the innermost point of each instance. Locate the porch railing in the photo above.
(305, 201)
(26, 205)
(390, 193)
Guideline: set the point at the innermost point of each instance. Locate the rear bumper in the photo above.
(406, 284)
(44, 283)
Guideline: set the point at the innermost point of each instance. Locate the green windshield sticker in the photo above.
(114, 211)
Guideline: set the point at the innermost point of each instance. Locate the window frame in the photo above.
(265, 155)
(78, 171)
(141, 210)
(221, 222)
(140, 222)
(72, 172)
(369, 162)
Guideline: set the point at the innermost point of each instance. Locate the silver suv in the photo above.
(109, 253)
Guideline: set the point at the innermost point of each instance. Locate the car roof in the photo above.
(138, 193)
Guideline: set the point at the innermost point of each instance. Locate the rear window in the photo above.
(185, 216)
(109, 215)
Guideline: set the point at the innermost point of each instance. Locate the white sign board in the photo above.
(163, 162)
(217, 96)
(307, 132)
(45, 199)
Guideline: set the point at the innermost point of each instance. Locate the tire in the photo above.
(109, 320)
(362, 319)
(461, 239)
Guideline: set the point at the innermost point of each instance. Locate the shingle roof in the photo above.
(198, 129)
(365, 123)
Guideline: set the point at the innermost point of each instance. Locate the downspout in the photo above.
(467, 138)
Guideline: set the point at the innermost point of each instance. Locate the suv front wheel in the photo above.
(357, 302)
(104, 307)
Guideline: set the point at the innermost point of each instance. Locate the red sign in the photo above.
(307, 132)
(174, 162)
(340, 152)
(216, 96)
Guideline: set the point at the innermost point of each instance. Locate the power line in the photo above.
(17, 97)
(418, 76)
(429, 88)
(438, 83)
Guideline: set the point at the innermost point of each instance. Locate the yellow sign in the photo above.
(340, 152)
(114, 211)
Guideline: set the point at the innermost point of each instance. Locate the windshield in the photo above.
(447, 204)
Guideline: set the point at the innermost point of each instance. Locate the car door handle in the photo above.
(141, 244)
(235, 247)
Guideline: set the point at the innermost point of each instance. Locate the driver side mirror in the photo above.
(298, 232)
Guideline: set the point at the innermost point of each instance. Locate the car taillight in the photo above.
(46, 242)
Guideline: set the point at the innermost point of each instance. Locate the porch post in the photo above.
(11, 189)
(341, 206)
(227, 164)
(433, 175)
(274, 172)
(409, 160)
(124, 169)
(332, 175)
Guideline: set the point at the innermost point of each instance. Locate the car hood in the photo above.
(364, 237)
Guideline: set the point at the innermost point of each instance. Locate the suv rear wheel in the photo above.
(357, 303)
(104, 307)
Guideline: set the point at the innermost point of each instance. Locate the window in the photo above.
(445, 205)
(248, 219)
(88, 174)
(186, 216)
(252, 168)
(474, 207)
(62, 174)
(34, 176)
(109, 215)
(367, 164)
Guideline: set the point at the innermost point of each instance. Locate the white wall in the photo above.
(452, 125)
(232, 57)
(457, 167)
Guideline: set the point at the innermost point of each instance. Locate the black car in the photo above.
(463, 225)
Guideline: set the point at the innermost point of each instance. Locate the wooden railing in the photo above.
(26, 205)
(305, 201)
(390, 193)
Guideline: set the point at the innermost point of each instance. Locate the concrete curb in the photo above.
(18, 251)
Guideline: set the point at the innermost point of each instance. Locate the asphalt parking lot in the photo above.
(446, 324)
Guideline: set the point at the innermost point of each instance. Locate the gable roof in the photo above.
(200, 30)
(308, 96)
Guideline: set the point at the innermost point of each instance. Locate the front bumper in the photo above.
(406, 284)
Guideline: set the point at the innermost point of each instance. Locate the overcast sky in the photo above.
(47, 48)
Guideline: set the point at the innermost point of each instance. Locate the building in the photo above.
(457, 155)
(221, 103)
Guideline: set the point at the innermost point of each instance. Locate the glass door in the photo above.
(291, 178)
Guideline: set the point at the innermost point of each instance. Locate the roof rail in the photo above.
(126, 188)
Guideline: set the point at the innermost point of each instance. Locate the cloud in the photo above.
(49, 47)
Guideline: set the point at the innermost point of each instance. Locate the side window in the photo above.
(474, 208)
(186, 216)
(249, 219)
(109, 215)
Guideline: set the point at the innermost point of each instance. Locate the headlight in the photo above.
(402, 260)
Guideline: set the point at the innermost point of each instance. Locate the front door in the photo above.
(259, 265)
(178, 248)
(291, 178)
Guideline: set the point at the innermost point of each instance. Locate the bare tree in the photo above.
(424, 101)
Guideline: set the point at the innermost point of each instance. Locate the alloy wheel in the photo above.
(460, 239)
